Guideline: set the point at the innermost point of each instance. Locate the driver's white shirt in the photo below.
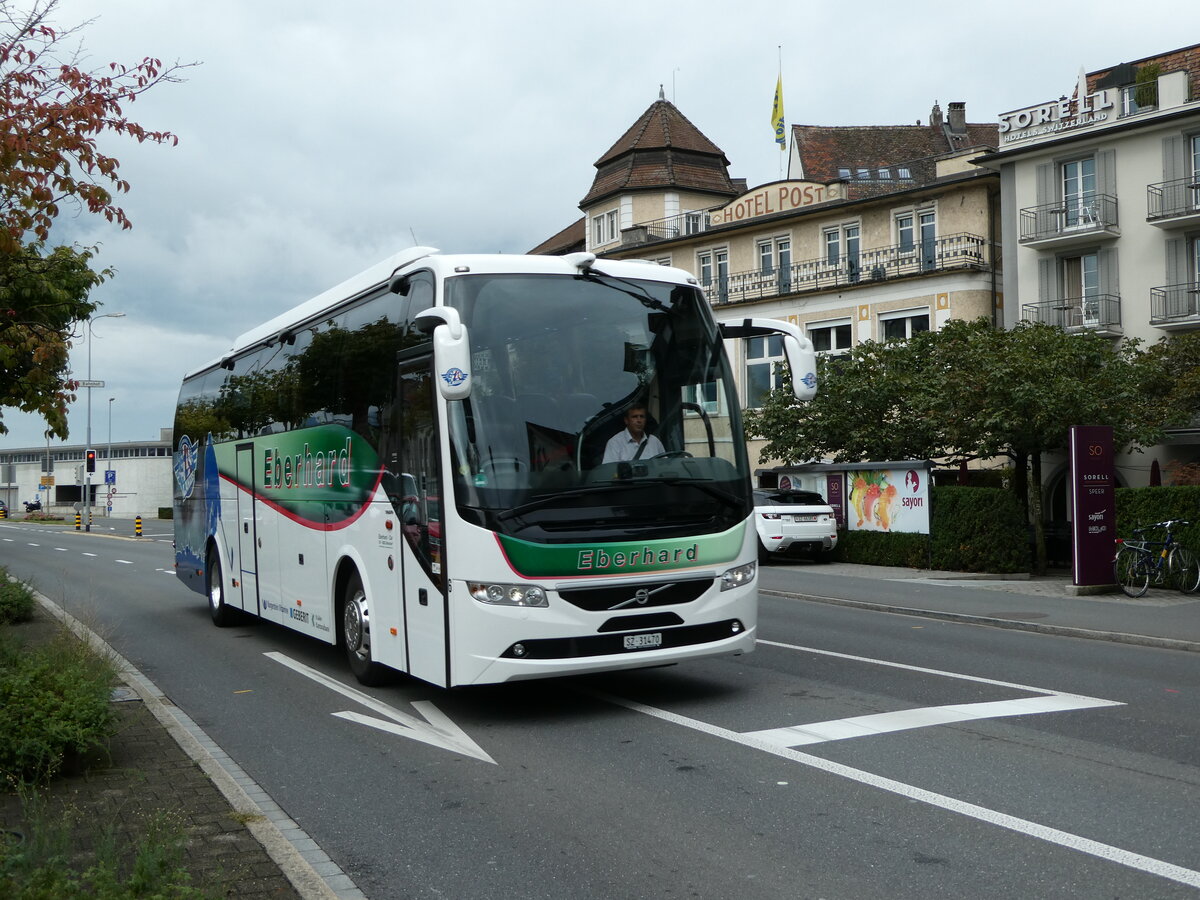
(622, 447)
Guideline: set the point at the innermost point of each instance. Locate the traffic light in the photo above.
(89, 460)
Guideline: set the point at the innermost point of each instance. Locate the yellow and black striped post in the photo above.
(78, 521)
(137, 526)
(3, 513)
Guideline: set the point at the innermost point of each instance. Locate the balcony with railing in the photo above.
(1064, 223)
(956, 251)
(1175, 307)
(1096, 312)
(667, 229)
(1175, 203)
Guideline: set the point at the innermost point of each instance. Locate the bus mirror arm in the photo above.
(451, 350)
(799, 350)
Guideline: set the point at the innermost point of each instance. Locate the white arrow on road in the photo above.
(434, 727)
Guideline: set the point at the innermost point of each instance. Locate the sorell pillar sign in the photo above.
(1093, 506)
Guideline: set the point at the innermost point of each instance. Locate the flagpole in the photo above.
(783, 149)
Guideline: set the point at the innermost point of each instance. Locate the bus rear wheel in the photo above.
(356, 635)
(221, 614)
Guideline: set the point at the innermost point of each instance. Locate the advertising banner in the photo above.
(888, 500)
(835, 494)
(1093, 504)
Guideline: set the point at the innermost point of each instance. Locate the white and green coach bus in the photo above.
(410, 465)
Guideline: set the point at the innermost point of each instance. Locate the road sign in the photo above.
(110, 476)
(48, 480)
(90, 383)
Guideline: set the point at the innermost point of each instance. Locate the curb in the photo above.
(1120, 637)
(309, 884)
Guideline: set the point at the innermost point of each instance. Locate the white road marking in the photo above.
(882, 723)
(124, 562)
(61, 549)
(1065, 839)
(434, 728)
(90, 554)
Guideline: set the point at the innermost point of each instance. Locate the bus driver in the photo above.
(632, 442)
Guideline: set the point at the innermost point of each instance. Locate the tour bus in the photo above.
(411, 466)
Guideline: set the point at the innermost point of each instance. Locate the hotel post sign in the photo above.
(1093, 506)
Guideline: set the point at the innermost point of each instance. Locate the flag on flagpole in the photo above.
(777, 114)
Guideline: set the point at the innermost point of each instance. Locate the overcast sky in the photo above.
(317, 138)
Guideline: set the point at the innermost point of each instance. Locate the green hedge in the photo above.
(1137, 507)
(973, 529)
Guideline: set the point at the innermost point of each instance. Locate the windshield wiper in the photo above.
(710, 489)
(561, 495)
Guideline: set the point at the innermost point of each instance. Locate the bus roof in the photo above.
(443, 266)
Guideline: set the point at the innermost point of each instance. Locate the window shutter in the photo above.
(1174, 165)
(1045, 278)
(1106, 172)
(1046, 192)
(1108, 272)
(1177, 261)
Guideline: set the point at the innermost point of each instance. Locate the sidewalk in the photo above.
(1049, 604)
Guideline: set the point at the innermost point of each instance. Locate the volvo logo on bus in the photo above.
(641, 597)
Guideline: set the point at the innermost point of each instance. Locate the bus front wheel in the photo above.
(221, 614)
(356, 635)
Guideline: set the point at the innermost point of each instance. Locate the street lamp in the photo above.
(89, 384)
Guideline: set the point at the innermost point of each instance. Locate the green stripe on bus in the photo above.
(622, 557)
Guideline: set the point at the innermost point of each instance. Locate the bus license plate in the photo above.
(642, 641)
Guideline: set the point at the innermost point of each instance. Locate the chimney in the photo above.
(935, 117)
(958, 118)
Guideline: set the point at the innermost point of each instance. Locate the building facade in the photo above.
(140, 483)
(1101, 227)
(876, 233)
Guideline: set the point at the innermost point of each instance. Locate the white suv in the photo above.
(794, 521)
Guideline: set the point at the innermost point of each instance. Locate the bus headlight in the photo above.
(737, 577)
(508, 594)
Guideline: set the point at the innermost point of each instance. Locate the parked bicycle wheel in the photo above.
(1132, 571)
(1184, 570)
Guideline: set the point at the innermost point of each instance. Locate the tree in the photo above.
(52, 117)
(968, 391)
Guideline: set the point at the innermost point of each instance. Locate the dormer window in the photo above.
(605, 228)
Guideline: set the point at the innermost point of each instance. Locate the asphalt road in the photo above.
(854, 754)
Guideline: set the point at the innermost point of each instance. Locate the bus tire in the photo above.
(356, 635)
(222, 614)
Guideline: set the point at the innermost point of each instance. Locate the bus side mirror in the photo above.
(451, 350)
(802, 360)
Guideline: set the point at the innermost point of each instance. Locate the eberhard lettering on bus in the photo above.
(410, 466)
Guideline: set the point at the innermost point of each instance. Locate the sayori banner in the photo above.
(888, 500)
(1093, 504)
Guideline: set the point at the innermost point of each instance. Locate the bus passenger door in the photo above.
(245, 566)
(415, 461)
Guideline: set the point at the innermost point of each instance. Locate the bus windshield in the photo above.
(557, 362)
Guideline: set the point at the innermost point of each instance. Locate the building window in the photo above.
(762, 353)
(903, 173)
(1079, 285)
(693, 222)
(713, 266)
(1079, 193)
(844, 173)
(704, 396)
(831, 337)
(885, 174)
(605, 228)
(901, 326)
(842, 246)
(918, 230)
(775, 259)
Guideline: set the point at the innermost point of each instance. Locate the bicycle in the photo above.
(1140, 562)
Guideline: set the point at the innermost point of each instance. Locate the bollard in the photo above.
(137, 526)
(78, 521)
(3, 513)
